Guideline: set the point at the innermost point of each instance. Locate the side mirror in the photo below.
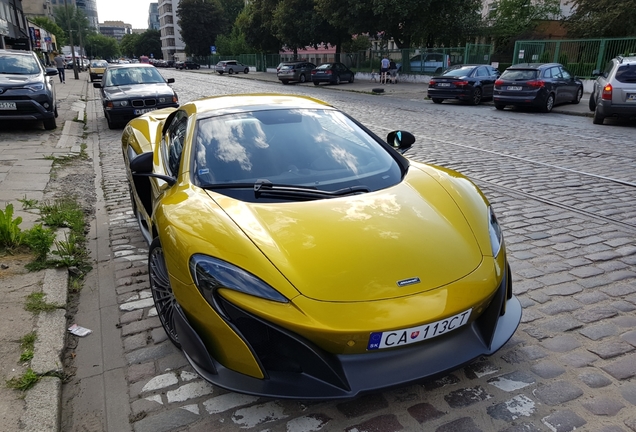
(400, 140)
(51, 72)
(170, 80)
(97, 85)
(596, 72)
(141, 165)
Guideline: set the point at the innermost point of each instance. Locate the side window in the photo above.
(481, 72)
(565, 74)
(176, 137)
(608, 68)
(547, 73)
(556, 72)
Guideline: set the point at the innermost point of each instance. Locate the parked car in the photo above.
(263, 219)
(27, 91)
(470, 83)
(96, 69)
(541, 85)
(129, 90)
(432, 63)
(231, 66)
(295, 71)
(614, 93)
(333, 73)
(189, 64)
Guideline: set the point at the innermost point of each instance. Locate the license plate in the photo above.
(631, 97)
(391, 339)
(514, 88)
(443, 85)
(143, 111)
(8, 106)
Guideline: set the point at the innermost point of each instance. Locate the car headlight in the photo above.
(495, 233)
(120, 103)
(35, 86)
(210, 274)
(162, 100)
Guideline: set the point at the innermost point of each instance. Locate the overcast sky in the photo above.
(133, 12)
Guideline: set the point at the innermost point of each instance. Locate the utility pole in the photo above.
(70, 35)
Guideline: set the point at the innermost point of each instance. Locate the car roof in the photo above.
(533, 65)
(18, 52)
(253, 102)
(130, 65)
(626, 59)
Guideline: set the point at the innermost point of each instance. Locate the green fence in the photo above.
(366, 61)
(580, 56)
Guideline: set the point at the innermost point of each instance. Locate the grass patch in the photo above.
(24, 382)
(28, 204)
(36, 303)
(27, 343)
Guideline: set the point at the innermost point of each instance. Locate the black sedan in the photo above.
(541, 85)
(470, 83)
(333, 73)
(130, 90)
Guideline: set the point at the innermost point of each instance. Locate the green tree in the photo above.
(128, 45)
(100, 46)
(515, 19)
(602, 18)
(357, 43)
(201, 21)
(149, 42)
(254, 22)
(233, 44)
(74, 19)
(51, 27)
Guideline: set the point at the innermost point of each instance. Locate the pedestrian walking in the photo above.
(384, 69)
(393, 70)
(59, 64)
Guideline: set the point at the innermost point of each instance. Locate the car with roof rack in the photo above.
(614, 93)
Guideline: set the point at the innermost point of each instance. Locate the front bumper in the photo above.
(128, 113)
(29, 109)
(296, 368)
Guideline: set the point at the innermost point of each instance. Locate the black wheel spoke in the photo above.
(162, 294)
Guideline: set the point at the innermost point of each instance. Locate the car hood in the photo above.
(138, 90)
(18, 79)
(403, 240)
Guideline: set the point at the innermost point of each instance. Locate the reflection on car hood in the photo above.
(360, 248)
(138, 90)
(17, 79)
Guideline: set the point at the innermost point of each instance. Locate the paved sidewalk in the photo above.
(408, 87)
(26, 163)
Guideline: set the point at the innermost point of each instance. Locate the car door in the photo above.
(570, 85)
(482, 74)
(554, 77)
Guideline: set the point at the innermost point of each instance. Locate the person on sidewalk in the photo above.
(384, 69)
(393, 70)
(59, 64)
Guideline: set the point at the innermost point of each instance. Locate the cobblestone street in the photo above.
(565, 193)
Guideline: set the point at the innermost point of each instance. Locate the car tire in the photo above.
(285, 82)
(55, 109)
(592, 103)
(598, 119)
(549, 103)
(316, 83)
(438, 100)
(230, 72)
(220, 73)
(351, 79)
(111, 124)
(302, 78)
(337, 82)
(198, 66)
(499, 107)
(438, 71)
(162, 294)
(49, 124)
(246, 70)
(579, 96)
(476, 96)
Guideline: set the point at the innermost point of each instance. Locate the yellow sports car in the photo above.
(293, 253)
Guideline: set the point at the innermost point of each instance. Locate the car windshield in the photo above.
(459, 72)
(287, 67)
(18, 64)
(99, 64)
(320, 149)
(132, 75)
(519, 74)
(324, 66)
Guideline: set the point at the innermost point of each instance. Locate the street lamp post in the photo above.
(70, 35)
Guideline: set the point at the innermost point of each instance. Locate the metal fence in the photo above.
(410, 60)
(580, 56)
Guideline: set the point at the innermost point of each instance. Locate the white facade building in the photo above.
(172, 46)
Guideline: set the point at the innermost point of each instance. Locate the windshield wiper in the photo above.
(264, 187)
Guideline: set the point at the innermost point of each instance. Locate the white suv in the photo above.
(614, 93)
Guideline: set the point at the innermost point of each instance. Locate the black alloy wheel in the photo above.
(231, 71)
(579, 95)
(476, 97)
(316, 83)
(164, 299)
(246, 70)
(351, 79)
(302, 78)
(499, 107)
(337, 80)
